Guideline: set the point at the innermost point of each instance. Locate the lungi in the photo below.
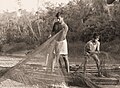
(61, 47)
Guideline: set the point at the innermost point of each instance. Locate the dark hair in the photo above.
(95, 35)
(58, 14)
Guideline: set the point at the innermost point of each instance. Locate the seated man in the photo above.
(91, 50)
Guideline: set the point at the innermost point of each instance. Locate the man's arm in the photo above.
(53, 30)
(65, 30)
(98, 47)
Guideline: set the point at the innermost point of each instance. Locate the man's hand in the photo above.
(49, 36)
(96, 52)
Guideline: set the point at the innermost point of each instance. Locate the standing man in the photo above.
(61, 43)
(92, 48)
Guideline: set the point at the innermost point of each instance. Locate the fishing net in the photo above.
(109, 66)
(35, 69)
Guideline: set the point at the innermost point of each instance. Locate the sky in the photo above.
(29, 5)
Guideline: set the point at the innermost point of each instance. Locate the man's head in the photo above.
(59, 17)
(95, 37)
(110, 1)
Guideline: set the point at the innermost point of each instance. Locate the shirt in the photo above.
(92, 47)
(60, 26)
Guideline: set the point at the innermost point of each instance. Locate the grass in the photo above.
(76, 50)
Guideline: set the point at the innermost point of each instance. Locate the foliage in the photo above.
(83, 19)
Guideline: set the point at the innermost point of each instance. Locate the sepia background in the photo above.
(26, 24)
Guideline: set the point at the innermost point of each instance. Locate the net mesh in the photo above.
(108, 64)
(35, 69)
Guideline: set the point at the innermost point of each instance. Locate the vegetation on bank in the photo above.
(83, 18)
